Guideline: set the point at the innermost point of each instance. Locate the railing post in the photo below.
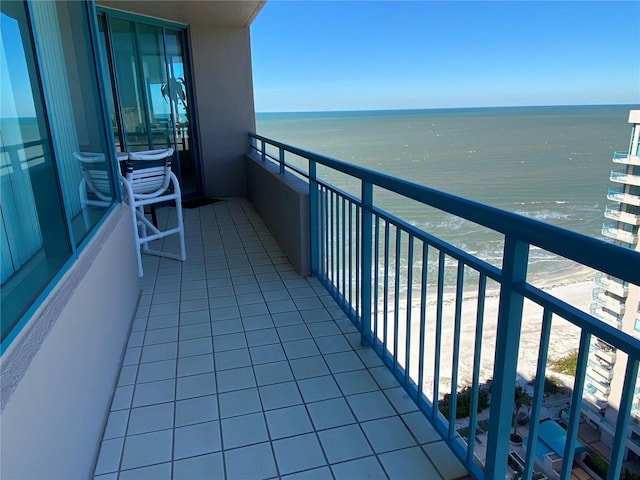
(514, 270)
(314, 230)
(367, 262)
(263, 150)
(281, 161)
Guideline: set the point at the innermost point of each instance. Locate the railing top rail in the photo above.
(620, 262)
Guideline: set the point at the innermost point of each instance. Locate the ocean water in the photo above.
(548, 163)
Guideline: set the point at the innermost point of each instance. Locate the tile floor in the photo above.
(239, 368)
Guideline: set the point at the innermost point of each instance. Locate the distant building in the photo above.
(617, 302)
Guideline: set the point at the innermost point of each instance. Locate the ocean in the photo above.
(548, 163)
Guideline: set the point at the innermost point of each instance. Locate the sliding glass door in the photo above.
(147, 69)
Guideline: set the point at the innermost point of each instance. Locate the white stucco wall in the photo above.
(223, 88)
(59, 374)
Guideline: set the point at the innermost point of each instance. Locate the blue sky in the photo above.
(339, 55)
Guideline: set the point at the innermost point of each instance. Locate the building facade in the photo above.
(76, 77)
(617, 302)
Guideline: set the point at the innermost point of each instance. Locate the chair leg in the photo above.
(136, 234)
(183, 250)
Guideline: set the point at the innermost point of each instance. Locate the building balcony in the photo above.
(612, 230)
(612, 285)
(603, 351)
(622, 176)
(600, 371)
(610, 302)
(594, 385)
(626, 159)
(239, 367)
(619, 195)
(606, 315)
(615, 212)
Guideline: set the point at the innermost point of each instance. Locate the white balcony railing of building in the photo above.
(618, 195)
(626, 159)
(616, 212)
(613, 285)
(622, 176)
(612, 230)
(390, 277)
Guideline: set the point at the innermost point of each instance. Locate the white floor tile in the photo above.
(244, 430)
(201, 467)
(154, 392)
(235, 379)
(369, 406)
(232, 359)
(319, 388)
(195, 386)
(198, 439)
(295, 454)
(267, 354)
(226, 348)
(280, 395)
(287, 422)
(150, 418)
(270, 373)
(330, 413)
(408, 463)
(344, 443)
(240, 402)
(309, 367)
(196, 410)
(367, 467)
(386, 434)
(162, 470)
(261, 466)
(147, 449)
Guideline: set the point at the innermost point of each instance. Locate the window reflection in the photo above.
(33, 237)
(67, 65)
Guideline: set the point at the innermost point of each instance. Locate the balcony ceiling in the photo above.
(233, 13)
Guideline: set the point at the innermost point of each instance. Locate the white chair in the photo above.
(147, 182)
(95, 187)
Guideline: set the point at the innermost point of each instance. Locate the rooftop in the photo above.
(238, 366)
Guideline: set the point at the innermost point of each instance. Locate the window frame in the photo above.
(89, 30)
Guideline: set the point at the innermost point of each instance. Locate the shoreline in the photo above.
(573, 287)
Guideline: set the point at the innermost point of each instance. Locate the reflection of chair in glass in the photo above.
(95, 188)
(147, 182)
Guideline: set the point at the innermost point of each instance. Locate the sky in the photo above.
(363, 55)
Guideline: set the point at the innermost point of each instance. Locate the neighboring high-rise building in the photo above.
(617, 302)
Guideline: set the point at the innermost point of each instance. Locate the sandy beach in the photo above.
(574, 288)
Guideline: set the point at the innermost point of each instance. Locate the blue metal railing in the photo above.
(394, 279)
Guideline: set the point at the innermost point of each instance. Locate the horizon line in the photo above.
(400, 109)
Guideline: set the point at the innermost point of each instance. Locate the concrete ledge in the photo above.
(282, 201)
(59, 374)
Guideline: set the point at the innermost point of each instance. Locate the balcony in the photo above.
(237, 365)
(392, 280)
(615, 212)
(612, 285)
(622, 176)
(606, 315)
(619, 195)
(600, 371)
(612, 230)
(603, 351)
(612, 303)
(626, 159)
(598, 387)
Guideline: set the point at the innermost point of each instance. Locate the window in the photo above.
(50, 120)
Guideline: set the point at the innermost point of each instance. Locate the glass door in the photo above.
(149, 75)
(176, 93)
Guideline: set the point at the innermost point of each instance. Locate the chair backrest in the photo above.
(149, 172)
(96, 174)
